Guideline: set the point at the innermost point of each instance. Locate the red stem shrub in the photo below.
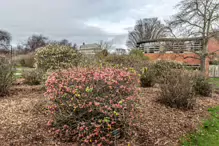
(89, 105)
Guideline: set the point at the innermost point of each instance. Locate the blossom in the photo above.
(57, 131)
(106, 91)
(49, 123)
(96, 103)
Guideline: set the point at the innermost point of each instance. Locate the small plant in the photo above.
(33, 77)
(6, 75)
(55, 57)
(92, 106)
(147, 78)
(177, 89)
(202, 86)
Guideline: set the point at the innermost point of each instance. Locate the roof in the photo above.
(169, 40)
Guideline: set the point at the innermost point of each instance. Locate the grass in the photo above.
(208, 134)
(214, 81)
(20, 70)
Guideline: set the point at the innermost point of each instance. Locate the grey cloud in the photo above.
(59, 19)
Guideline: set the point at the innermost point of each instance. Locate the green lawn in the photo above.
(20, 70)
(214, 81)
(208, 134)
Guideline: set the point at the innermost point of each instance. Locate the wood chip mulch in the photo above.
(23, 118)
(165, 125)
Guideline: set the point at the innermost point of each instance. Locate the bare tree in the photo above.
(104, 45)
(146, 29)
(198, 18)
(5, 37)
(36, 41)
(75, 46)
(65, 42)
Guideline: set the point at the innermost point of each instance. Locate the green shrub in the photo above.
(202, 86)
(161, 67)
(56, 57)
(6, 75)
(127, 61)
(33, 77)
(147, 78)
(177, 89)
(91, 106)
(138, 53)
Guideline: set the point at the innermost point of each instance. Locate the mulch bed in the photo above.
(165, 125)
(23, 118)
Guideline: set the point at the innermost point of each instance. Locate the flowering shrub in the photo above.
(91, 106)
(55, 57)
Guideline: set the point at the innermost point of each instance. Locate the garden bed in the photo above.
(23, 118)
(167, 125)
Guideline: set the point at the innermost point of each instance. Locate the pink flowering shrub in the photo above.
(90, 105)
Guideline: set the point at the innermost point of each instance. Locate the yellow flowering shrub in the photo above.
(56, 57)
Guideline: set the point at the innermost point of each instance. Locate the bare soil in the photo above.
(23, 118)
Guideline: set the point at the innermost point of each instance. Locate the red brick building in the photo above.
(179, 50)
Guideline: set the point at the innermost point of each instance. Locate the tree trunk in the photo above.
(203, 64)
(204, 55)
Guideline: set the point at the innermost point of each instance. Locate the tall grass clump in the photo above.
(6, 75)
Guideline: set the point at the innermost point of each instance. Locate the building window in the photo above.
(196, 46)
(154, 49)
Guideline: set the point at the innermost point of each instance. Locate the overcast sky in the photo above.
(79, 20)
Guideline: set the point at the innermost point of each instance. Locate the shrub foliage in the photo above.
(128, 61)
(138, 54)
(202, 86)
(147, 77)
(6, 75)
(56, 57)
(161, 67)
(177, 89)
(91, 106)
(33, 77)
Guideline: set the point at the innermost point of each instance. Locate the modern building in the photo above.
(183, 50)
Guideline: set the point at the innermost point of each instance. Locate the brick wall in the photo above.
(213, 46)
